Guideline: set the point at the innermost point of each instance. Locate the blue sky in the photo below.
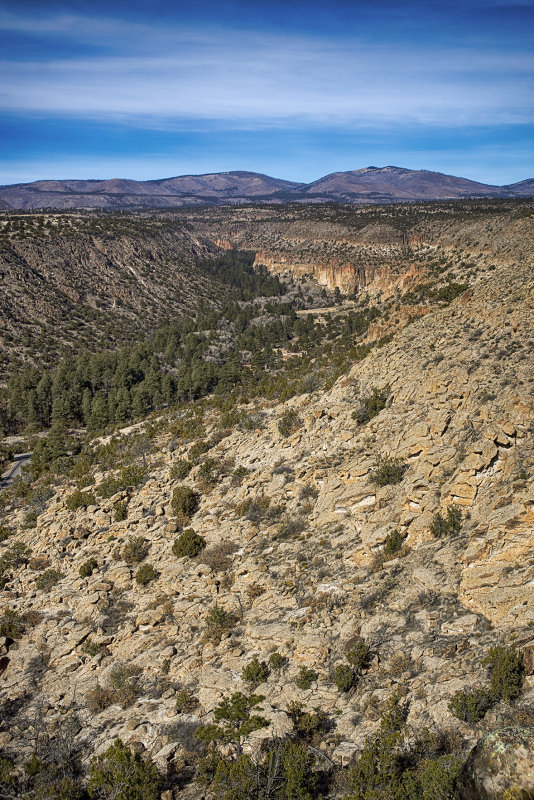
(293, 89)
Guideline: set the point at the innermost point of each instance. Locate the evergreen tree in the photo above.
(99, 413)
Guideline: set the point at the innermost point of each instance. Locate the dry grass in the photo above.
(218, 556)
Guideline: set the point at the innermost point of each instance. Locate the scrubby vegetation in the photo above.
(255, 672)
(306, 678)
(88, 567)
(175, 365)
(391, 765)
(387, 470)
(289, 422)
(372, 405)
(185, 501)
(79, 500)
(218, 623)
(506, 673)
(145, 575)
(48, 579)
(447, 525)
(189, 544)
(135, 550)
(120, 774)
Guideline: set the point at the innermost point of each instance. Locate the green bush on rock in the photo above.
(135, 550)
(387, 471)
(470, 707)
(255, 672)
(507, 672)
(119, 774)
(79, 500)
(145, 575)
(185, 501)
(189, 544)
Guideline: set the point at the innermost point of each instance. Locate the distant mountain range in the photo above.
(368, 185)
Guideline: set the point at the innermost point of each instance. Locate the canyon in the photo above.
(388, 503)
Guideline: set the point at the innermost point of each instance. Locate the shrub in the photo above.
(470, 706)
(181, 469)
(92, 649)
(447, 293)
(185, 702)
(290, 527)
(393, 543)
(198, 449)
(387, 471)
(12, 625)
(372, 405)
(99, 698)
(133, 475)
(48, 578)
(308, 492)
(239, 474)
(185, 501)
(400, 662)
(289, 422)
(145, 575)
(109, 487)
(255, 672)
(507, 672)
(16, 554)
(234, 720)
(358, 654)
(135, 550)
(79, 500)
(277, 661)
(47, 781)
(119, 774)
(288, 766)
(235, 780)
(307, 724)
(306, 677)
(218, 623)
(391, 765)
(125, 684)
(189, 544)
(120, 511)
(344, 677)
(218, 556)
(209, 473)
(254, 590)
(129, 477)
(444, 526)
(5, 533)
(88, 567)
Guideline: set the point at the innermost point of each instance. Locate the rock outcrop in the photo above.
(501, 765)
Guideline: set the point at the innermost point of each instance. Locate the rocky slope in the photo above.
(384, 251)
(296, 553)
(71, 283)
(368, 185)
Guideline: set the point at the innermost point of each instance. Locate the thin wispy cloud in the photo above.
(261, 79)
(345, 85)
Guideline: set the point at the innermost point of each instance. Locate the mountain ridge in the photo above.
(365, 185)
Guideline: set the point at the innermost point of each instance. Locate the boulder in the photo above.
(501, 765)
